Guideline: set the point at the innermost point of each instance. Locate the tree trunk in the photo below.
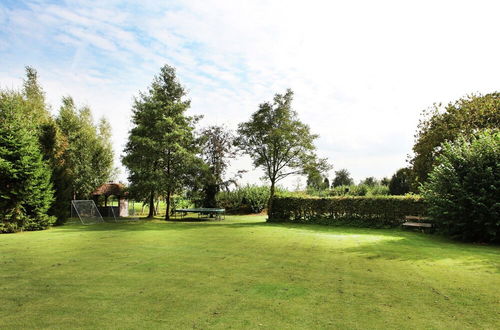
(151, 205)
(270, 202)
(167, 212)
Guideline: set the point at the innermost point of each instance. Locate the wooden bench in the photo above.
(416, 222)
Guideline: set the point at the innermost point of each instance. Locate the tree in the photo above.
(26, 190)
(217, 148)
(326, 183)
(440, 124)
(88, 156)
(400, 182)
(369, 181)
(278, 142)
(463, 189)
(161, 150)
(342, 178)
(315, 179)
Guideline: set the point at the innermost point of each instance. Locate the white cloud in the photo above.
(361, 70)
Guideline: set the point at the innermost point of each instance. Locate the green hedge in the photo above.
(380, 211)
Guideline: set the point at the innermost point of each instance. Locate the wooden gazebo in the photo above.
(112, 189)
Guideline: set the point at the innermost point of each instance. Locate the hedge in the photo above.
(380, 211)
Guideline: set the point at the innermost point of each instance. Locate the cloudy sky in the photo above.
(362, 71)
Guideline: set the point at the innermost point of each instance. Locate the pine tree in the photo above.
(26, 191)
(160, 153)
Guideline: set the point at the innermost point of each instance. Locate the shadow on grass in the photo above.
(406, 245)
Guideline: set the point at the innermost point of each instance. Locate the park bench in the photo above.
(416, 222)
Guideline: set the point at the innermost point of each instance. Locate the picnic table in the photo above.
(203, 211)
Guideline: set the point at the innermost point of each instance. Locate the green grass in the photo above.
(244, 273)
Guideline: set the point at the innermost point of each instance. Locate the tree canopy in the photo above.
(342, 178)
(26, 191)
(161, 150)
(278, 142)
(445, 123)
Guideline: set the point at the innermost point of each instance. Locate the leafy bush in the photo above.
(382, 211)
(250, 198)
(378, 190)
(181, 202)
(463, 190)
(359, 190)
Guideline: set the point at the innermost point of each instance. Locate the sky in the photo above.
(362, 71)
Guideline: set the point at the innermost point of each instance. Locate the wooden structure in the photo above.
(417, 222)
(112, 189)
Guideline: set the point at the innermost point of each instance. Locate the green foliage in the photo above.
(278, 142)
(440, 124)
(342, 178)
(161, 150)
(88, 157)
(400, 182)
(250, 198)
(359, 190)
(370, 181)
(386, 211)
(217, 148)
(181, 202)
(26, 190)
(463, 190)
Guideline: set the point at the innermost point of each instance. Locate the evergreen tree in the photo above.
(400, 182)
(26, 190)
(52, 141)
(161, 150)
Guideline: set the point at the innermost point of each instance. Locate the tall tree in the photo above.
(88, 158)
(217, 149)
(51, 140)
(278, 142)
(445, 123)
(26, 190)
(161, 150)
(342, 178)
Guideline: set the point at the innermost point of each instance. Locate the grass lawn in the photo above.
(244, 273)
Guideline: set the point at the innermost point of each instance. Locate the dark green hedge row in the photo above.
(383, 211)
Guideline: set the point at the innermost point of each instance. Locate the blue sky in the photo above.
(362, 71)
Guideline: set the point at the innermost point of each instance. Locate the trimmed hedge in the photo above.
(378, 212)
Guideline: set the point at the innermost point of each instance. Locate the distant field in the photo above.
(244, 273)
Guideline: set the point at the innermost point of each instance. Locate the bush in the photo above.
(250, 198)
(463, 190)
(387, 211)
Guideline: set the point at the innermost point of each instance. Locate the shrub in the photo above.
(181, 202)
(378, 190)
(382, 211)
(250, 198)
(463, 190)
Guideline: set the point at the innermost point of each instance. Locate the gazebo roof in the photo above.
(108, 189)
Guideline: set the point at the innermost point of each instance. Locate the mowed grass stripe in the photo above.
(244, 273)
